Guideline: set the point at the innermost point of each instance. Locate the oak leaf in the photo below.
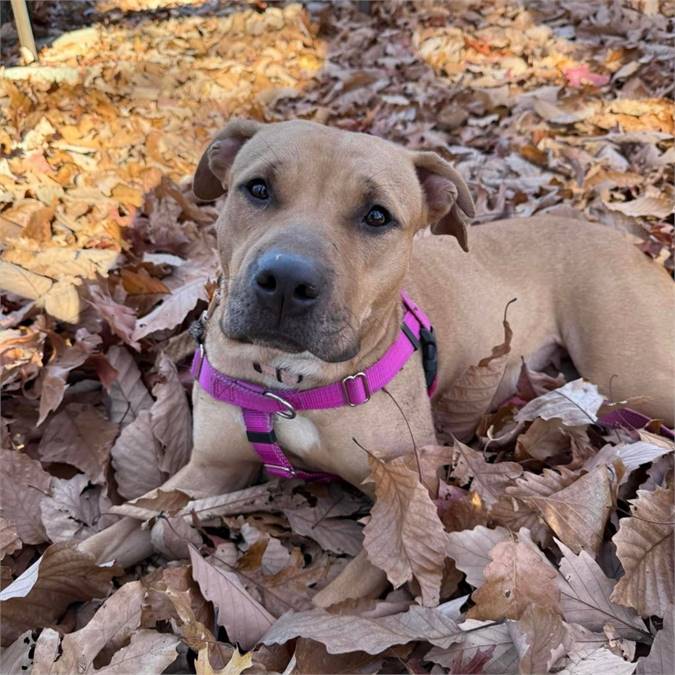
(404, 536)
(644, 545)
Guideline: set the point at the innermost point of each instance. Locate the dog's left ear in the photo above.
(447, 196)
(213, 169)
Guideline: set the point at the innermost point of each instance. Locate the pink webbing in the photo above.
(258, 405)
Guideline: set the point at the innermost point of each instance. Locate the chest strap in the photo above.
(259, 405)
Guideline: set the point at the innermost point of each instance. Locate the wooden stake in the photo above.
(23, 28)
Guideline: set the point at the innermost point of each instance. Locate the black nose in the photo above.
(287, 283)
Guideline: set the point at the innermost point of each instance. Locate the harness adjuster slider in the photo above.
(286, 469)
(366, 388)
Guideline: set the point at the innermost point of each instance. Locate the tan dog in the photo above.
(316, 241)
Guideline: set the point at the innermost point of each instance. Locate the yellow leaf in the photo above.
(236, 665)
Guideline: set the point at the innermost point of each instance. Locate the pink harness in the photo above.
(259, 405)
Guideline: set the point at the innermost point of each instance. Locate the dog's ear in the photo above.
(213, 169)
(447, 196)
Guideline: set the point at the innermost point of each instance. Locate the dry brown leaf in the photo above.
(575, 404)
(237, 664)
(661, 658)
(508, 589)
(632, 455)
(470, 549)
(80, 436)
(347, 633)
(404, 536)
(170, 418)
(598, 662)
(512, 512)
(644, 545)
(23, 485)
(340, 535)
(120, 318)
(460, 408)
(61, 576)
(188, 287)
(75, 511)
(543, 439)
(135, 457)
(171, 536)
(9, 539)
(657, 205)
(545, 636)
(53, 378)
(485, 645)
(585, 594)
(578, 513)
(488, 480)
(244, 619)
(127, 395)
(17, 657)
(149, 651)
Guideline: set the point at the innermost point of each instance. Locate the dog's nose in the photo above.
(287, 283)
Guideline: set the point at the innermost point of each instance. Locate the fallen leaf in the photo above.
(244, 619)
(404, 536)
(644, 545)
(170, 417)
(488, 480)
(470, 549)
(127, 395)
(136, 457)
(23, 485)
(545, 637)
(75, 511)
(585, 594)
(575, 404)
(120, 318)
(9, 539)
(508, 591)
(79, 435)
(460, 408)
(61, 576)
(235, 666)
(661, 658)
(340, 535)
(347, 633)
(578, 513)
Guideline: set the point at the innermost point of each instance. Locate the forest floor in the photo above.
(545, 544)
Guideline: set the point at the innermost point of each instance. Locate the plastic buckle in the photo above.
(366, 388)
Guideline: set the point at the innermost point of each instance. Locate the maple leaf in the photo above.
(404, 536)
(644, 545)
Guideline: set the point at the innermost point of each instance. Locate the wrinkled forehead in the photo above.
(332, 163)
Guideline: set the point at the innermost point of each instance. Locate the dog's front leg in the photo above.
(126, 543)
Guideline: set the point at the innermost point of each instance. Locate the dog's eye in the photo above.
(257, 188)
(378, 216)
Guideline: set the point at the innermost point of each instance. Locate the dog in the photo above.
(317, 240)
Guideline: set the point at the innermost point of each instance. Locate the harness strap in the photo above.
(258, 404)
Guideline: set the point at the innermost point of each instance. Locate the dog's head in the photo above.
(316, 231)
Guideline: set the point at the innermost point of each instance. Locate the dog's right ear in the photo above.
(213, 169)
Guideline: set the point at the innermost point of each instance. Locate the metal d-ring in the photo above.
(289, 413)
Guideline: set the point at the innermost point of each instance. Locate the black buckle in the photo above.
(429, 355)
(197, 328)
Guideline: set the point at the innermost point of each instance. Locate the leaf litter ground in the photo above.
(540, 540)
